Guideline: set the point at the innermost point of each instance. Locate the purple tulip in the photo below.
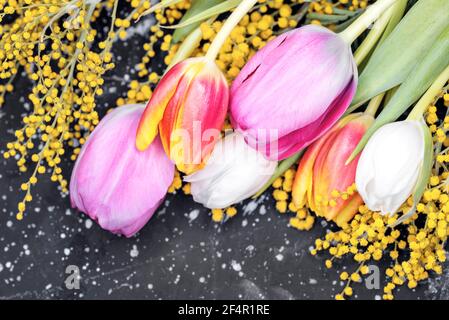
(114, 183)
(293, 90)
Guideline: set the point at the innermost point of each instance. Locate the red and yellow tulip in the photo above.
(323, 181)
(188, 108)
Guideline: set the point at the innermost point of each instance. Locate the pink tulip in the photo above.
(114, 183)
(293, 90)
(187, 109)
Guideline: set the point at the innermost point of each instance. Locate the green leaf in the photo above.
(349, 13)
(416, 83)
(396, 57)
(331, 18)
(197, 7)
(281, 168)
(213, 11)
(424, 175)
(398, 14)
(380, 30)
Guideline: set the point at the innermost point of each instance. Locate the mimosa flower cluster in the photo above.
(292, 93)
(57, 45)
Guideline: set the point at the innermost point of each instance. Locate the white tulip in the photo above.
(233, 173)
(390, 165)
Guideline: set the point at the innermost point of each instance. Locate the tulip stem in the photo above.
(381, 29)
(373, 36)
(374, 104)
(371, 14)
(283, 166)
(190, 43)
(228, 26)
(429, 97)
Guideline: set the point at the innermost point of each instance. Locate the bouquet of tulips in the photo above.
(342, 122)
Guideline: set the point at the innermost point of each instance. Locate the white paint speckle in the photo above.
(236, 266)
(134, 253)
(279, 257)
(250, 207)
(88, 224)
(26, 249)
(193, 214)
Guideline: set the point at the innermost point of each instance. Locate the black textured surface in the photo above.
(179, 254)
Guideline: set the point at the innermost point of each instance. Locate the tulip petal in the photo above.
(303, 137)
(231, 161)
(312, 44)
(175, 105)
(154, 111)
(302, 185)
(389, 166)
(349, 210)
(296, 103)
(194, 115)
(330, 168)
(113, 182)
(303, 180)
(200, 123)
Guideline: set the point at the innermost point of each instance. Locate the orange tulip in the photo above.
(323, 181)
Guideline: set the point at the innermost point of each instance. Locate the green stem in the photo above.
(374, 104)
(373, 36)
(428, 97)
(281, 168)
(228, 26)
(371, 14)
(190, 43)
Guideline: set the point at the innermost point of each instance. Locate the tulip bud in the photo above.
(114, 183)
(188, 107)
(391, 164)
(323, 180)
(233, 173)
(293, 90)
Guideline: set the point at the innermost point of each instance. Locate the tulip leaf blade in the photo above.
(397, 16)
(206, 14)
(390, 64)
(280, 169)
(416, 83)
(198, 6)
